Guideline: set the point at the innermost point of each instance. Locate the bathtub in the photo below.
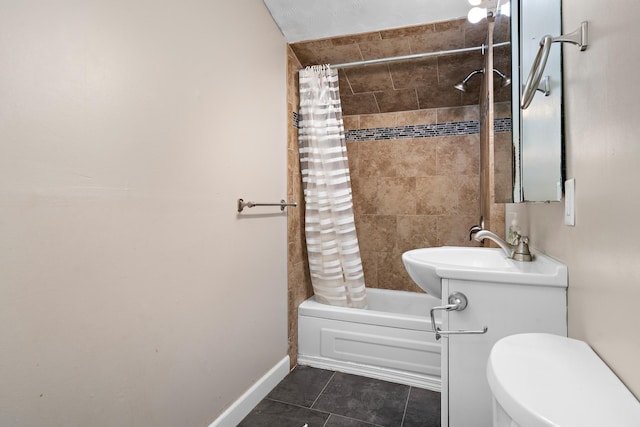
(391, 340)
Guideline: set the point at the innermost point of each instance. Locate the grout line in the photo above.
(323, 389)
(353, 419)
(406, 404)
(296, 405)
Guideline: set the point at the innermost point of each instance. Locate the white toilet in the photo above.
(543, 380)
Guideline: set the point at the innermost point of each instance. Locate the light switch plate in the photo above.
(570, 202)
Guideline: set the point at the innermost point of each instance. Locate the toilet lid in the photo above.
(544, 380)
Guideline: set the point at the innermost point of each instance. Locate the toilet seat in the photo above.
(543, 380)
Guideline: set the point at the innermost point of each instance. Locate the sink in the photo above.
(427, 266)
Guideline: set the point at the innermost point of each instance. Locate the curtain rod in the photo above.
(414, 56)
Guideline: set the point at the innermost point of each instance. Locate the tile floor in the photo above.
(322, 398)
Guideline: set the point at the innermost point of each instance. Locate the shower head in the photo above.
(505, 81)
(462, 86)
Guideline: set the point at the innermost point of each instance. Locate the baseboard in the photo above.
(385, 374)
(245, 403)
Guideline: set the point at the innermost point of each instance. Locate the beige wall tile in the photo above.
(324, 52)
(416, 231)
(436, 195)
(453, 230)
(361, 103)
(351, 122)
(353, 153)
(369, 265)
(459, 155)
(397, 100)
(392, 273)
(414, 74)
(468, 189)
(417, 117)
(452, 24)
(458, 114)
(439, 96)
(343, 83)
(415, 157)
(502, 29)
(502, 109)
(454, 68)
(503, 94)
(356, 38)
(445, 39)
(365, 195)
(397, 196)
(369, 78)
(408, 31)
(376, 158)
(383, 120)
(386, 48)
(377, 232)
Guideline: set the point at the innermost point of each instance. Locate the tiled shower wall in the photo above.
(415, 174)
(409, 192)
(412, 192)
(299, 281)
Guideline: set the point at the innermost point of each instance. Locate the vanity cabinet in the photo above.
(505, 309)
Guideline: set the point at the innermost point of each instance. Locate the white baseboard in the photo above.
(245, 403)
(385, 374)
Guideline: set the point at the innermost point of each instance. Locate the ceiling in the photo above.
(301, 20)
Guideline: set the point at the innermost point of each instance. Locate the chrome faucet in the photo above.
(519, 251)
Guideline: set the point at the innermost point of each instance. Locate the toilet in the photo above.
(544, 380)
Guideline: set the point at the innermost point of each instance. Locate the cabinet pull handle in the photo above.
(457, 302)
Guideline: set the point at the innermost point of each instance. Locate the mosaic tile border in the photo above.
(414, 131)
(502, 125)
(470, 127)
(425, 131)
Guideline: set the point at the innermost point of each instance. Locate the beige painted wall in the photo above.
(131, 293)
(601, 126)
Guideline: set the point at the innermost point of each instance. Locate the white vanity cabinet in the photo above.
(505, 309)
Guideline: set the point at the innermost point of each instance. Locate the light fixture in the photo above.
(487, 8)
(505, 9)
(477, 14)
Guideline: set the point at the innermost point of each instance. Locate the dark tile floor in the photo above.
(321, 398)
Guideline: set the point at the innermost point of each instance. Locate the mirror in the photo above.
(537, 130)
(528, 143)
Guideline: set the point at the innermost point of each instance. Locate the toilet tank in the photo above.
(544, 380)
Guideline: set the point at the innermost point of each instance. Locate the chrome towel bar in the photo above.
(579, 37)
(283, 203)
(458, 302)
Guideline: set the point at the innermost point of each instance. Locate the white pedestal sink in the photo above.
(504, 296)
(427, 266)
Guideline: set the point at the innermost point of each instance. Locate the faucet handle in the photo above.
(522, 252)
(519, 238)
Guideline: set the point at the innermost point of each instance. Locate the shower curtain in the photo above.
(332, 244)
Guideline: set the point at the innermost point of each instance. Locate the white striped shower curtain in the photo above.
(332, 243)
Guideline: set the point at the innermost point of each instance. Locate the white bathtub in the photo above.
(391, 340)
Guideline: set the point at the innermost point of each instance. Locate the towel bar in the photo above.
(242, 204)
